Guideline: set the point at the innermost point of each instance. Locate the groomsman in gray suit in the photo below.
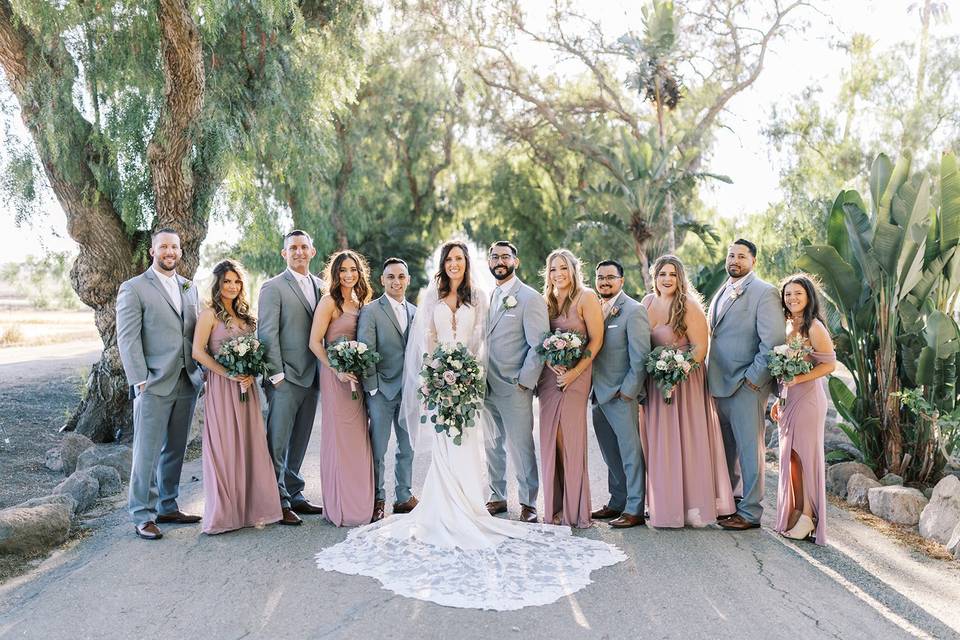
(285, 315)
(746, 322)
(517, 322)
(156, 315)
(384, 326)
(619, 373)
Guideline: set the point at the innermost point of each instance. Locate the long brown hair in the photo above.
(813, 310)
(685, 293)
(361, 290)
(465, 290)
(241, 306)
(555, 307)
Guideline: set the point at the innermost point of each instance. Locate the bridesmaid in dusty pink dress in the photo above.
(239, 486)
(564, 394)
(687, 479)
(346, 457)
(802, 490)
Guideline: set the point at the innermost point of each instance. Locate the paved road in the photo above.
(676, 584)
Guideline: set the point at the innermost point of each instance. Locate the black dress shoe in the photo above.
(149, 531)
(305, 508)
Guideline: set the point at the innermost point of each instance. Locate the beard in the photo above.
(502, 272)
(168, 264)
(740, 272)
(606, 295)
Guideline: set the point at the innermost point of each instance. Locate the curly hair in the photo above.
(465, 289)
(554, 307)
(241, 305)
(813, 310)
(331, 272)
(685, 293)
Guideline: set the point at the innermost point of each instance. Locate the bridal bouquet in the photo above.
(351, 356)
(451, 387)
(242, 356)
(787, 361)
(562, 348)
(669, 366)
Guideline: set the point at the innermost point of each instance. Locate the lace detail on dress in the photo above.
(546, 565)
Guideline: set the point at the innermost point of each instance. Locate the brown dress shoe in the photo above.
(377, 511)
(290, 518)
(405, 507)
(497, 506)
(149, 531)
(627, 520)
(528, 514)
(737, 522)
(605, 513)
(305, 508)
(177, 517)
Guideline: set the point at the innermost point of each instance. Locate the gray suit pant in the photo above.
(290, 418)
(617, 424)
(161, 426)
(510, 422)
(384, 414)
(741, 424)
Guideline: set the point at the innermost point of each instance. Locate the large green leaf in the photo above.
(860, 233)
(843, 399)
(901, 171)
(942, 344)
(880, 173)
(837, 275)
(837, 235)
(949, 201)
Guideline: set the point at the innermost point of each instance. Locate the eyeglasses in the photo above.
(501, 257)
(608, 278)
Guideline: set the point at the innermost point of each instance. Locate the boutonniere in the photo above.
(736, 293)
(186, 285)
(509, 302)
(615, 311)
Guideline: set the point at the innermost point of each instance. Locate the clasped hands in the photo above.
(565, 376)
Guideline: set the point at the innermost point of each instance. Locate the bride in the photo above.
(449, 549)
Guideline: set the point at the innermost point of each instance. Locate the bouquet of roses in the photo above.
(350, 356)
(242, 356)
(787, 361)
(669, 366)
(451, 386)
(562, 348)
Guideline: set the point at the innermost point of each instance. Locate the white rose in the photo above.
(242, 349)
(679, 358)
(661, 365)
(361, 348)
(781, 350)
(575, 341)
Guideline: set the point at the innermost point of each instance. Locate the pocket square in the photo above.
(510, 315)
(612, 326)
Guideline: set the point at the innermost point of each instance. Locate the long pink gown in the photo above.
(687, 479)
(563, 438)
(239, 485)
(801, 430)
(346, 458)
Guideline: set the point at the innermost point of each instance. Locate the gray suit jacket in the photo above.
(284, 319)
(378, 329)
(621, 364)
(155, 341)
(744, 332)
(512, 337)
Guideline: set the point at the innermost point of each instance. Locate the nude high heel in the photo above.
(802, 529)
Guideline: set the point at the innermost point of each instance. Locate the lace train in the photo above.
(541, 567)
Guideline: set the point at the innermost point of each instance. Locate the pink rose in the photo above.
(449, 377)
(560, 344)
(546, 343)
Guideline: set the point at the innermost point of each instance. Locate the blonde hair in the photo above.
(554, 306)
(685, 293)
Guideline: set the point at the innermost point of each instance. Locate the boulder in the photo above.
(953, 545)
(838, 475)
(107, 477)
(118, 456)
(891, 480)
(857, 488)
(942, 514)
(70, 449)
(52, 459)
(54, 498)
(83, 487)
(897, 504)
(33, 529)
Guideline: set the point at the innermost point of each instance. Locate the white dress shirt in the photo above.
(172, 287)
(306, 286)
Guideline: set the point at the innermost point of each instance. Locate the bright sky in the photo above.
(741, 151)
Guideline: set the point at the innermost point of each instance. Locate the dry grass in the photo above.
(905, 535)
(33, 327)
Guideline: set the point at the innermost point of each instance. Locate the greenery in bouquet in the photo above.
(562, 348)
(669, 366)
(352, 356)
(243, 356)
(451, 388)
(787, 361)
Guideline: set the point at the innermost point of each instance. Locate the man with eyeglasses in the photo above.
(619, 376)
(517, 322)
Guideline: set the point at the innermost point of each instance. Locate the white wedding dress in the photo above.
(449, 549)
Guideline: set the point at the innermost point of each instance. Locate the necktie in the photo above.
(307, 291)
(173, 291)
(401, 314)
(495, 305)
(606, 308)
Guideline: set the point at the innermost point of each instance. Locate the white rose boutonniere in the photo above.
(615, 312)
(736, 293)
(509, 302)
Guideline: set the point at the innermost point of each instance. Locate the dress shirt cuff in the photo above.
(276, 378)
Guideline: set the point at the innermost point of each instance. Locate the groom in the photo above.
(285, 312)
(746, 320)
(156, 315)
(384, 326)
(517, 322)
